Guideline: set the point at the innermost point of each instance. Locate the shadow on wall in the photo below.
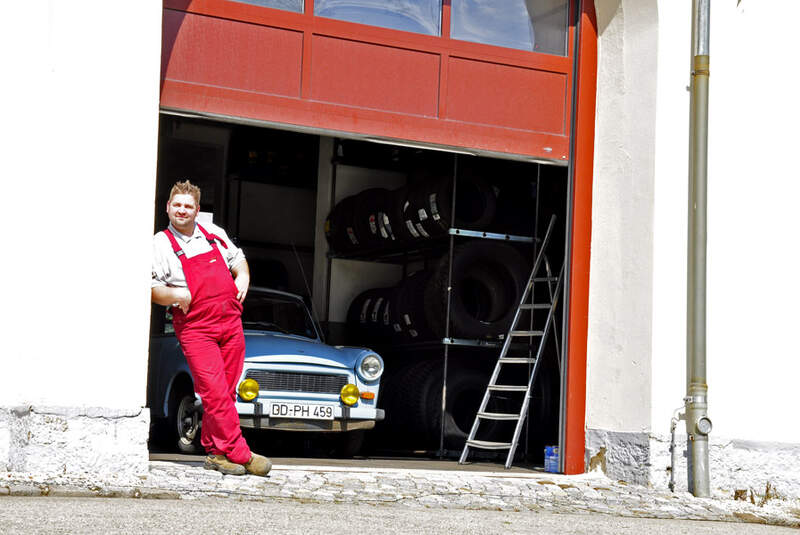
(606, 11)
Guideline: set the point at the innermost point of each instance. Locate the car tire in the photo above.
(348, 444)
(185, 420)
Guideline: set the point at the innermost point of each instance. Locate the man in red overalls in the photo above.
(204, 277)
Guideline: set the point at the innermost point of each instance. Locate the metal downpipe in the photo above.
(698, 425)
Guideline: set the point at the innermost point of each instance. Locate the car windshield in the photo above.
(272, 312)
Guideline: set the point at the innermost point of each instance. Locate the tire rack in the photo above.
(404, 255)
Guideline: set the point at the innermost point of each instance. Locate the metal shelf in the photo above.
(490, 235)
(438, 343)
(405, 252)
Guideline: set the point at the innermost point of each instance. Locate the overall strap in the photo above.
(175, 247)
(212, 238)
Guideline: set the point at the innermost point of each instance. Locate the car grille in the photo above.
(318, 383)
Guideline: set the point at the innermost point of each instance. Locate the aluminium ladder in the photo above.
(504, 360)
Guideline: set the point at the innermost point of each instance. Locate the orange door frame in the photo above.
(582, 162)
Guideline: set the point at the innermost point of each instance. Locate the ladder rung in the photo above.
(516, 360)
(508, 388)
(545, 279)
(498, 416)
(537, 306)
(487, 445)
(526, 333)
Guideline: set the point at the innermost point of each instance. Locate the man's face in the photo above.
(182, 211)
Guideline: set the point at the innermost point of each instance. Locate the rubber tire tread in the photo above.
(444, 201)
(508, 259)
(422, 388)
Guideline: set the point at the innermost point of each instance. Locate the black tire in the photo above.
(184, 419)
(348, 444)
(487, 284)
(422, 389)
(364, 316)
(368, 210)
(410, 307)
(431, 204)
(389, 323)
(340, 227)
(543, 412)
(476, 203)
(419, 212)
(396, 212)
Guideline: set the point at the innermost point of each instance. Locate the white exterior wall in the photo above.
(753, 286)
(637, 324)
(80, 95)
(619, 392)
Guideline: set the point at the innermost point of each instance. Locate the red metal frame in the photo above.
(583, 161)
(547, 109)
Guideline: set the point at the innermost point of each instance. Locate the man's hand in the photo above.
(241, 277)
(171, 296)
(242, 286)
(182, 299)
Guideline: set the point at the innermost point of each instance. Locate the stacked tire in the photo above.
(376, 218)
(413, 398)
(488, 279)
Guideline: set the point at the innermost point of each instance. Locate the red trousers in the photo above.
(215, 353)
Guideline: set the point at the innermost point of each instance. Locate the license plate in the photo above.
(303, 411)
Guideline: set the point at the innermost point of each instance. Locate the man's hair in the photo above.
(185, 188)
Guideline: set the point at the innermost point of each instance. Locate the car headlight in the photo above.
(248, 389)
(370, 367)
(349, 394)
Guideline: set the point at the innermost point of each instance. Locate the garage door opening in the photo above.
(418, 254)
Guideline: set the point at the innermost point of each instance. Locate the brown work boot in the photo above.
(258, 465)
(220, 463)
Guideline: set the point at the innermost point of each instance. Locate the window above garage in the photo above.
(531, 25)
(417, 16)
(295, 6)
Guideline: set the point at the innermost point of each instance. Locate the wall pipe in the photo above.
(698, 425)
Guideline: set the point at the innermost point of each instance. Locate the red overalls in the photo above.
(212, 339)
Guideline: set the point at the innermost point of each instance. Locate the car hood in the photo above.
(279, 348)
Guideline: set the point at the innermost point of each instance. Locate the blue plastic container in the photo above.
(551, 459)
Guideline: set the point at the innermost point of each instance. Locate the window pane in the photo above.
(536, 25)
(286, 5)
(418, 16)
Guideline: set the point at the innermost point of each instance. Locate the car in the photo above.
(291, 381)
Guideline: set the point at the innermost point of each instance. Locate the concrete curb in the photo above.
(585, 493)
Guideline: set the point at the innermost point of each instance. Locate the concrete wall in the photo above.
(80, 95)
(619, 348)
(636, 370)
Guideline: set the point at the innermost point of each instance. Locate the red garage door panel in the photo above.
(513, 97)
(377, 77)
(221, 53)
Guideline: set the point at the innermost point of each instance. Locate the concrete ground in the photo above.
(53, 515)
(376, 494)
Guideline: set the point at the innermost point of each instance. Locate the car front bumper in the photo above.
(342, 423)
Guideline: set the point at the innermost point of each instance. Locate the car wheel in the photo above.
(349, 444)
(185, 419)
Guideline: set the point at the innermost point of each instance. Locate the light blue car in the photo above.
(291, 380)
